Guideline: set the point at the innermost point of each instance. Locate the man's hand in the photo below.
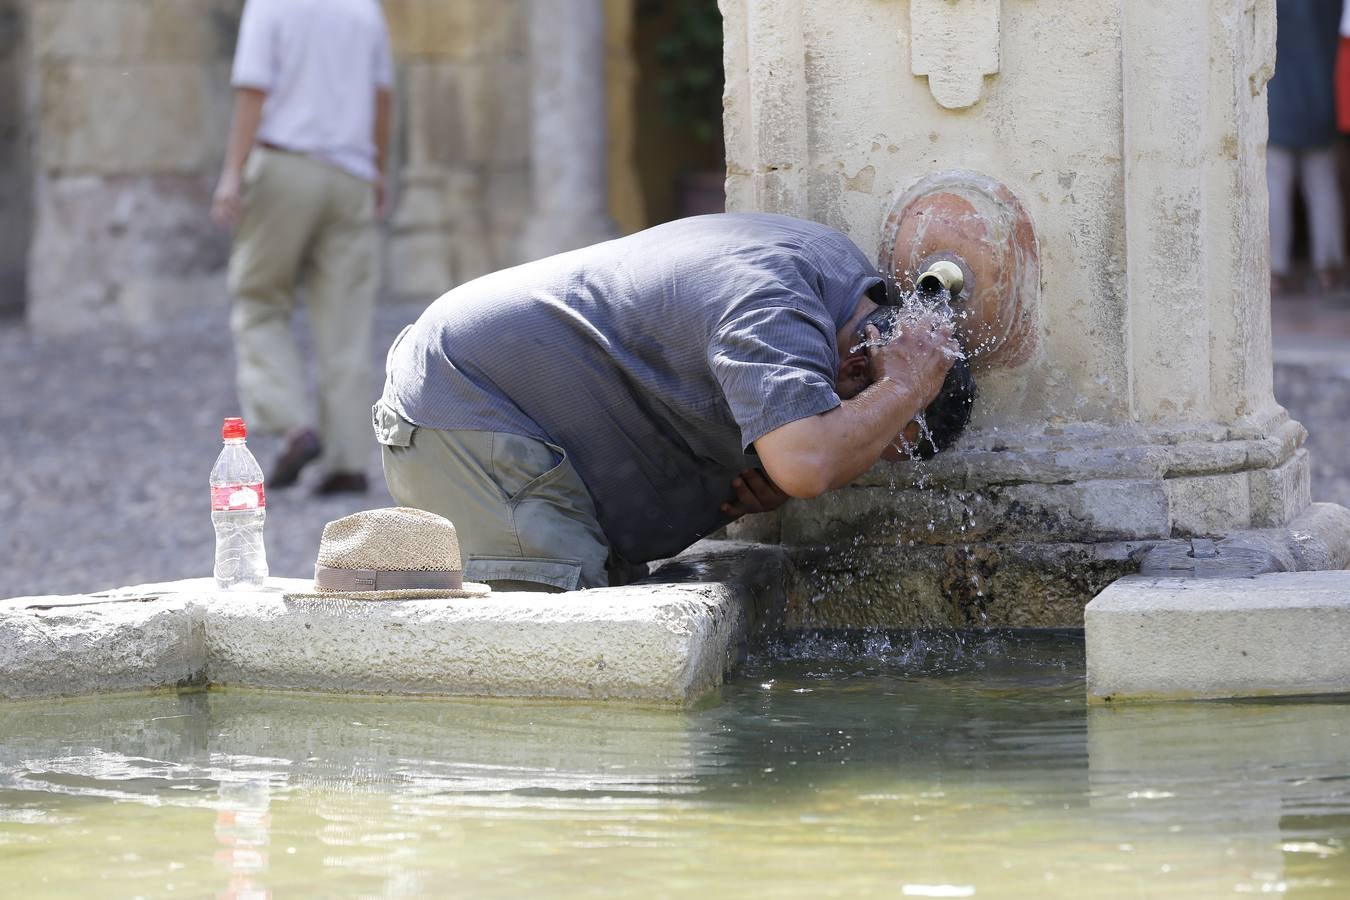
(918, 358)
(819, 453)
(381, 198)
(227, 203)
(755, 493)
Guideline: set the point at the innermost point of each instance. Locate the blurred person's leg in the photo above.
(1322, 196)
(341, 281)
(283, 203)
(280, 209)
(1280, 168)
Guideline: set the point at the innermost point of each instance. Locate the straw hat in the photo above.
(390, 554)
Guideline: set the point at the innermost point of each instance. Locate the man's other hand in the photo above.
(755, 492)
(227, 203)
(918, 358)
(381, 198)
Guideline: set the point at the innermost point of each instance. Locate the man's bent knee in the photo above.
(522, 514)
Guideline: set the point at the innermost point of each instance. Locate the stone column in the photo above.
(1141, 414)
(462, 148)
(132, 103)
(15, 177)
(570, 200)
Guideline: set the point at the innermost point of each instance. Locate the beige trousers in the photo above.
(1313, 169)
(305, 222)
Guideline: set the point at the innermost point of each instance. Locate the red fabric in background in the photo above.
(1343, 86)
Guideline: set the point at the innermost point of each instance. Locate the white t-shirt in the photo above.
(1345, 19)
(320, 63)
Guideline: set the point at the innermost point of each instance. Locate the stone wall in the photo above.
(1139, 159)
(464, 149)
(132, 107)
(464, 141)
(14, 177)
(627, 202)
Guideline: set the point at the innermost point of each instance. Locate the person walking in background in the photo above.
(302, 183)
(1302, 148)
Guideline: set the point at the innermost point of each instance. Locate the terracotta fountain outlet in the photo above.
(974, 222)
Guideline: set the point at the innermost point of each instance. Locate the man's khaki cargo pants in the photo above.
(524, 518)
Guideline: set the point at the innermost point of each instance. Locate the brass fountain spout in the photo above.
(944, 275)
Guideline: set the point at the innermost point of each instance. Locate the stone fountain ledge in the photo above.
(1281, 634)
(655, 642)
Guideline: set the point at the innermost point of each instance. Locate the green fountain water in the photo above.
(939, 766)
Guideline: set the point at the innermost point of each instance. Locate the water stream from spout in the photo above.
(915, 311)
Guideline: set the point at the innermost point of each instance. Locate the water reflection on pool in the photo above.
(934, 766)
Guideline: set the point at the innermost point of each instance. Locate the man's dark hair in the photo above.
(949, 413)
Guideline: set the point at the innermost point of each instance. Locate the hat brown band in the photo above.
(359, 581)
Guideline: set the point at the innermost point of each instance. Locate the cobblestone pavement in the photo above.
(1312, 380)
(108, 440)
(107, 443)
(1316, 391)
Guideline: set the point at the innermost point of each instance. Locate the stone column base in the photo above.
(1026, 529)
(1009, 585)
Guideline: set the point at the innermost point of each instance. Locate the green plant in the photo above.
(689, 59)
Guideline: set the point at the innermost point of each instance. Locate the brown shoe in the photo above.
(341, 483)
(1330, 281)
(302, 448)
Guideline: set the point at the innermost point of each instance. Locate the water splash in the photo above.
(856, 570)
(916, 312)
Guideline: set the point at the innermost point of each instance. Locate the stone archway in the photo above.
(15, 178)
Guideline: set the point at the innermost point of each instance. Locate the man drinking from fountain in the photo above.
(585, 413)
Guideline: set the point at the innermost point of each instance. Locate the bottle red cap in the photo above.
(233, 428)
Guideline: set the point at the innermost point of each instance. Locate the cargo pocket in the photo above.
(552, 516)
(522, 466)
(560, 573)
(391, 429)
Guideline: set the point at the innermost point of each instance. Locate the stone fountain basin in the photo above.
(669, 640)
(667, 643)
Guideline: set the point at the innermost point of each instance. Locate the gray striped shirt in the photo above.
(655, 360)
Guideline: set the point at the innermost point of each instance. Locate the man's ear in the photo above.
(853, 376)
(853, 366)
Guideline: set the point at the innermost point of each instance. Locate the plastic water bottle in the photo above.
(238, 508)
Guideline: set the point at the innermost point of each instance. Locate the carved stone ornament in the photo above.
(955, 43)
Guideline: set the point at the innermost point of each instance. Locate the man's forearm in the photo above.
(808, 457)
(248, 104)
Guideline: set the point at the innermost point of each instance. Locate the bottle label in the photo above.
(237, 496)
